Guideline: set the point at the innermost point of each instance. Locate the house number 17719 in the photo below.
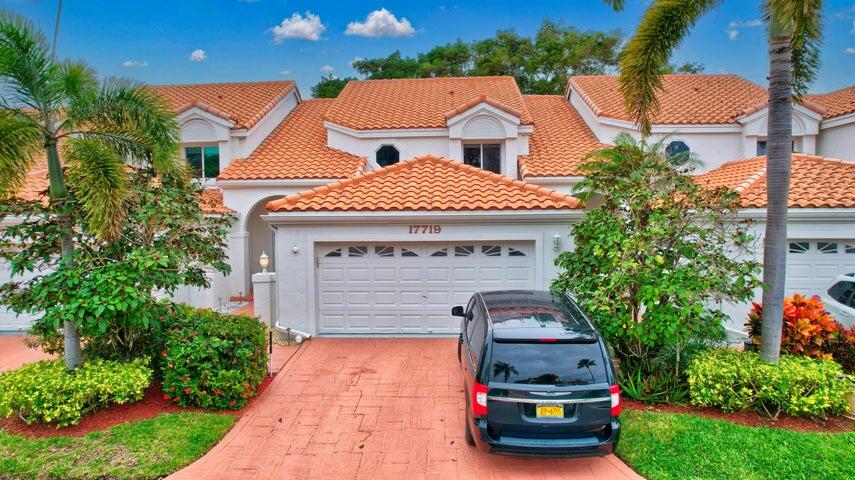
(425, 229)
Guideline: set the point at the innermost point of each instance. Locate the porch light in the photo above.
(556, 242)
(264, 261)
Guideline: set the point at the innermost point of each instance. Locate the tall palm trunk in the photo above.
(58, 193)
(779, 147)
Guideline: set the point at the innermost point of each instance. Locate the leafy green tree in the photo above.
(794, 35)
(692, 68)
(329, 86)
(109, 289)
(449, 60)
(393, 66)
(114, 121)
(659, 249)
(507, 53)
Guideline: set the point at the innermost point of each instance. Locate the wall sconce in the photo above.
(295, 249)
(264, 261)
(556, 242)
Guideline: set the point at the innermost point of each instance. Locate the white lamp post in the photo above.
(264, 261)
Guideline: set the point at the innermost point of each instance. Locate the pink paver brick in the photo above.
(373, 409)
(13, 352)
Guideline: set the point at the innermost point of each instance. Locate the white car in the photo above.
(839, 299)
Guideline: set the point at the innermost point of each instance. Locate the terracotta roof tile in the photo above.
(836, 103)
(211, 201)
(560, 140)
(421, 102)
(685, 99)
(815, 182)
(242, 103)
(296, 148)
(422, 184)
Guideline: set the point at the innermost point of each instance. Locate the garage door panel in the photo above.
(410, 288)
(812, 264)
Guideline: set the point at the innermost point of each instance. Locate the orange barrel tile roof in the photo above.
(816, 182)
(421, 102)
(836, 103)
(243, 103)
(426, 183)
(560, 140)
(684, 100)
(211, 201)
(296, 148)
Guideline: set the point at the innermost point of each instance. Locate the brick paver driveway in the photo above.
(13, 352)
(374, 409)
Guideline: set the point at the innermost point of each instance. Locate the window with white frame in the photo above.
(204, 160)
(483, 155)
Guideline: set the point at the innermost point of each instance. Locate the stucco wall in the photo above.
(838, 142)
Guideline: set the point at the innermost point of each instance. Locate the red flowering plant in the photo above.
(808, 328)
(214, 361)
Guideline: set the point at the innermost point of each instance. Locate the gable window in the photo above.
(483, 155)
(204, 160)
(388, 155)
(676, 148)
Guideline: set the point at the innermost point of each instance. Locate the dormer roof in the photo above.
(835, 104)
(421, 103)
(242, 103)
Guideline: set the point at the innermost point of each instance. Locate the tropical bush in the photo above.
(212, 360)
(808, 329)
(653, 258)
(842, 349)
(798, 385)
(46, 392)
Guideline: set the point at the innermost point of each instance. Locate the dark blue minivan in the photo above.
(537, 376)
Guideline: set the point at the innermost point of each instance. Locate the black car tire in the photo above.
(470, 440)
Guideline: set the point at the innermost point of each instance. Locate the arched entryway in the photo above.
(259, 239)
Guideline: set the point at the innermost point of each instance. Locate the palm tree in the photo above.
(505, 369)
(104, 125)
(794, 35)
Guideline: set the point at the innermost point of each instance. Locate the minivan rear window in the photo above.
(558, 364)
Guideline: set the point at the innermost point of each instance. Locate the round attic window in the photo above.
(676, 148)
(387, 155)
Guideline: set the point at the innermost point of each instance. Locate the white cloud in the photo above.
(135, 63)
(354, 60)
(849, 51)
(285, 72)
(327, 69)
(734, 27)
(381, 23)
(300, 27)
(198, 55)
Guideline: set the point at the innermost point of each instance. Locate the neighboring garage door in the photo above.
(409, 288)
(811, 264)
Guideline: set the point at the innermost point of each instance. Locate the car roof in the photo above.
(535, 314)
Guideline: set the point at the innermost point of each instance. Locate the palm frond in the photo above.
(663, 27)
(141, 117)
(617, 5)
(100, 182)
(20, 143)
(800, 20)
(26, 66)
(76, 78)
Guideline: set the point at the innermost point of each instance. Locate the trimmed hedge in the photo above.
(212, 360)
(798, 385)
(45, 392)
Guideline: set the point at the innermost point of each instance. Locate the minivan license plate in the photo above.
(544, 410)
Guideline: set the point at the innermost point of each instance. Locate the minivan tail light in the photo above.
(614, 393)
(479, 400)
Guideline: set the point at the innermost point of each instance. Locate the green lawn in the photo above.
(661, 445)
(149, 448)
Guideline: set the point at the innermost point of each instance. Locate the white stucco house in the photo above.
(383, 207)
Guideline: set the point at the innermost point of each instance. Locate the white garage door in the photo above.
(409, 288)
(811, 264)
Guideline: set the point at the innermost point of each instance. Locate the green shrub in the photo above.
(45, 392)
(213, 360)
(798, 385)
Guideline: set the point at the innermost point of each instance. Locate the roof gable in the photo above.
(296, 148)
(426, 183)
(244, 104)
(684, 100)
(815, 182)
(835, 104)
(421, 102)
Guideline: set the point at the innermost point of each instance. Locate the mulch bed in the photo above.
(152, 405)
(752, 419)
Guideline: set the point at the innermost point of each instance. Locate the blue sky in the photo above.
(239, 40)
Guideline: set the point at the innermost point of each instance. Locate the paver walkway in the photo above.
(373, 409)
(13, 352)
